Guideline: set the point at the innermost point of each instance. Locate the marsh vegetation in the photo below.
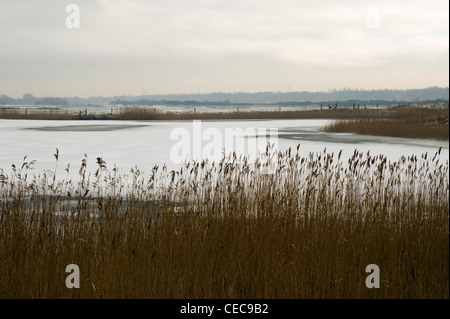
(225, 230)
(398, 121)
(406, 122)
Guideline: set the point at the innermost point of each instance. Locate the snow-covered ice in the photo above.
(147, 143)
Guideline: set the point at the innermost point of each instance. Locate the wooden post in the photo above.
(85, 112)
(111, 111)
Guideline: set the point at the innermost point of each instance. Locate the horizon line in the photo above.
(330, 90)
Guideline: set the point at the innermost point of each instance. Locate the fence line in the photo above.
(108, 110)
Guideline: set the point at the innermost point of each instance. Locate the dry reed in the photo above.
(407, 122)
(224, 230)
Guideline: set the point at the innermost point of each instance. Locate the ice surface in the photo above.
(147, 143)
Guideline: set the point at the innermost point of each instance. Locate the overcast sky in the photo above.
(198, 46)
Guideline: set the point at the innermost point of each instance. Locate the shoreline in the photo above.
(322, 135)
(428, 123)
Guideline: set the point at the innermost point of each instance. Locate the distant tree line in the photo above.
(29, 99)
(190, 103)
(412, 95)
(245, 98)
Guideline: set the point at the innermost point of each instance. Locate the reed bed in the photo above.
(37, 115)
(136, 113)
(415, 113)
(401, 112)
(151, 114)
(227, 230)
(407, 122)
(395, 128)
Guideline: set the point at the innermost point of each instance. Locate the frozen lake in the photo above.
(147, 143)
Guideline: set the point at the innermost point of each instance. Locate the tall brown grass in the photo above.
(133, 113)
(396, 128)
(224, 230)
(407, 122)
(41, 115)
(142, 113)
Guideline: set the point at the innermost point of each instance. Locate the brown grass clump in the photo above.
(224, 230)
(133, 113)
(14, 114)
(407, 122)
(17, 115)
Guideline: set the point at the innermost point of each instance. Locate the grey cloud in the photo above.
(202, 45)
